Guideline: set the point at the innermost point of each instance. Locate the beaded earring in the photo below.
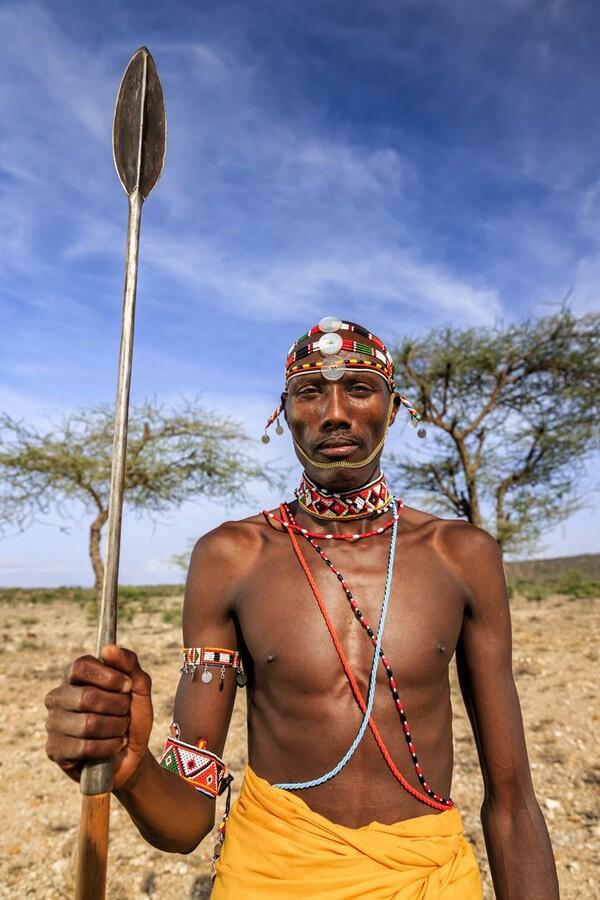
(415, 416)
(272, 418)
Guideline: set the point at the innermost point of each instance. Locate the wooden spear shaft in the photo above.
(139, 143)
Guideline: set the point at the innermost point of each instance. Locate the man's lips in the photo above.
(337, 446)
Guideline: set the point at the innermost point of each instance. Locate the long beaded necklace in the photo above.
(361, 618)
(315, 782)
(434, 804)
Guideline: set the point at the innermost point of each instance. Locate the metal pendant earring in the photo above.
(274, 416)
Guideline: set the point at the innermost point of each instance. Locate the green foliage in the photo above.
(155, 599)
(174, 454)
(571, 576)
(515, 411)
(572, 583)
(45, 596)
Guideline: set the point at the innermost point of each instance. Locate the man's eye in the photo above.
(307, 392)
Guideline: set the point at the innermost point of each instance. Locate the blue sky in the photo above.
(401, 163)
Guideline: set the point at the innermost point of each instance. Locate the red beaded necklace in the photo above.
(439, 804)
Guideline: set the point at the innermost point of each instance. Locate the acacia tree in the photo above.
(173, 455)
(515, 411)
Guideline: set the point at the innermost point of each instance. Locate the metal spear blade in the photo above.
(139, 126)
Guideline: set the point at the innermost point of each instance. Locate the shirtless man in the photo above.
(308, 617)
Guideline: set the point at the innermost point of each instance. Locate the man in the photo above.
(342, 610)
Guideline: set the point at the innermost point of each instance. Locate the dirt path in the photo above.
(556, 662)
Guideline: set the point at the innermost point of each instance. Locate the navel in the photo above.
(271, 657)
(441, 646)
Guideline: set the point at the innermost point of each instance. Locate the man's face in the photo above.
(338, 420)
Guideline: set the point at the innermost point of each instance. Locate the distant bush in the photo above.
(129, 595)
(46, 595)
(574, 583)
(569, 582)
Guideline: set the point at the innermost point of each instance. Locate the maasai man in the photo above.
(341, 612)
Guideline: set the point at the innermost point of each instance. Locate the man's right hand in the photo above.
(101, 710)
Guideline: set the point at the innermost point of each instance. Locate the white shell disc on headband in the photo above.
(329, 323)
(330, 344)
(333, 369)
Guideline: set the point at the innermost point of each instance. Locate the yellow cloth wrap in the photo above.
(277, 848)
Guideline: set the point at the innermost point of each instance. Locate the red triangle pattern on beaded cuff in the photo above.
(203, 769)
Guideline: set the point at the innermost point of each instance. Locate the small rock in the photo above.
(551, 804)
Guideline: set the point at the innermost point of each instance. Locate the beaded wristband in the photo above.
(204, 770)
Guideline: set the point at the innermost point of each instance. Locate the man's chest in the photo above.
(289, 639)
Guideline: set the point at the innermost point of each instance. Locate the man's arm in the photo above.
(105, 710)
(516, 837)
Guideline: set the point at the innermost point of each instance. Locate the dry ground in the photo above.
(556, 661)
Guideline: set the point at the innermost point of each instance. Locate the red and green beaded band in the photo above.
(195, 764)
(328, 322)
(352, 362)
(331, 345)
(348, 346)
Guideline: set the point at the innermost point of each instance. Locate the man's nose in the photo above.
(335, 409)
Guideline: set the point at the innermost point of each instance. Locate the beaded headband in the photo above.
(338, 357)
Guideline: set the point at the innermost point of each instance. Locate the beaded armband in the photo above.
(204, 770)
(205, 658)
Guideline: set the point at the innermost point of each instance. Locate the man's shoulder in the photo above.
(224, 557)
(455, 539)
(233, 538)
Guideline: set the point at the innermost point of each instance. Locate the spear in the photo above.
(139, 142)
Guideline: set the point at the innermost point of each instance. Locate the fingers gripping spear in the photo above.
(139, 142)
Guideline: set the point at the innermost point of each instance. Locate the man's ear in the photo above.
(395, 407)
(283, 398)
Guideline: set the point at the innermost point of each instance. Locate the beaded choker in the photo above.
(371, 499)
(289, 523)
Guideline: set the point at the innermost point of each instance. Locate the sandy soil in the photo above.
(556, 661)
